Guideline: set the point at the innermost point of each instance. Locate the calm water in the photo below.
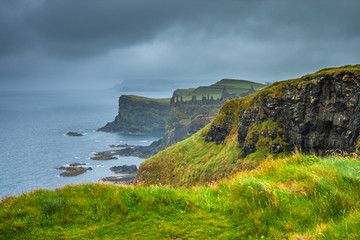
(33, 141)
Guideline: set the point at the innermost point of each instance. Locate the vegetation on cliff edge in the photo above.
(197, 161)
(215, 90)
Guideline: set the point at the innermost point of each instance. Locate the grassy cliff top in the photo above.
(215, 90)
(149, 100)
(235, 83)
(296, 197)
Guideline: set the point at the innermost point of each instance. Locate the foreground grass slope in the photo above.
(294, 197)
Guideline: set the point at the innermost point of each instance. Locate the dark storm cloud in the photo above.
(92, 26)
(91, 41)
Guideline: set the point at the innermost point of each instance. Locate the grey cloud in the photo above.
(107, 41)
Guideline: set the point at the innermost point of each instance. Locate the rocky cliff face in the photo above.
(316, 113)
(183, 122)
(139, 115)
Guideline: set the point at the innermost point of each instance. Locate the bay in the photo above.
(33, 140)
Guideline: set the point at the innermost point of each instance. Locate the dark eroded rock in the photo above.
(107, 155)
(125, 169)
(73, 170)
(316, 113)
(119, 179)
(76, 164)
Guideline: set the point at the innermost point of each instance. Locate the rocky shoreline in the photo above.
(129, 151)
(75, 169)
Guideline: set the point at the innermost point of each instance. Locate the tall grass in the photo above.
(295, 197)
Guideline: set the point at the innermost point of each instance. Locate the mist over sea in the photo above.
(33, 141)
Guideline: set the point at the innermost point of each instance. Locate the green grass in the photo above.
(149, 100)
(234, 83)
(215, 90)
(294, 197)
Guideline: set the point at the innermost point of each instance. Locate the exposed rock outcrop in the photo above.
(125, 169)
(180, 130)
(140, 116)
(316, 113)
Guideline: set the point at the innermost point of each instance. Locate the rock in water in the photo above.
(73, 170)
(125, 169)
(116, 179)
(74, 134)
(107, 155)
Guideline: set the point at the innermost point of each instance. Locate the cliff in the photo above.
(185, 118)
(140, 116)
(146, 116)
(190, 110)
(316, 113)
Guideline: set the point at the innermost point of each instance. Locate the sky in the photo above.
(167, 44)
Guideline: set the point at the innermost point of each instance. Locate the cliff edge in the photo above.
(316, 113)
(140, 116)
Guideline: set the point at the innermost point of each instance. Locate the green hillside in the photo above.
(198, 161)
(295, 197)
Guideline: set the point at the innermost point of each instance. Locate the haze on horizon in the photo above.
(168, 44)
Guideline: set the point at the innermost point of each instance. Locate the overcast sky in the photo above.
(98, 43)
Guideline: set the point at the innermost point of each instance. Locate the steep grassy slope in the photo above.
(315, 113)
(297, 197)
(195, 161)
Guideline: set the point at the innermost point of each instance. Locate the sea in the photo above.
(33, 140)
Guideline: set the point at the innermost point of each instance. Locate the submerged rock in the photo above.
(74, 134)
(76, 164)
(122, 146)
